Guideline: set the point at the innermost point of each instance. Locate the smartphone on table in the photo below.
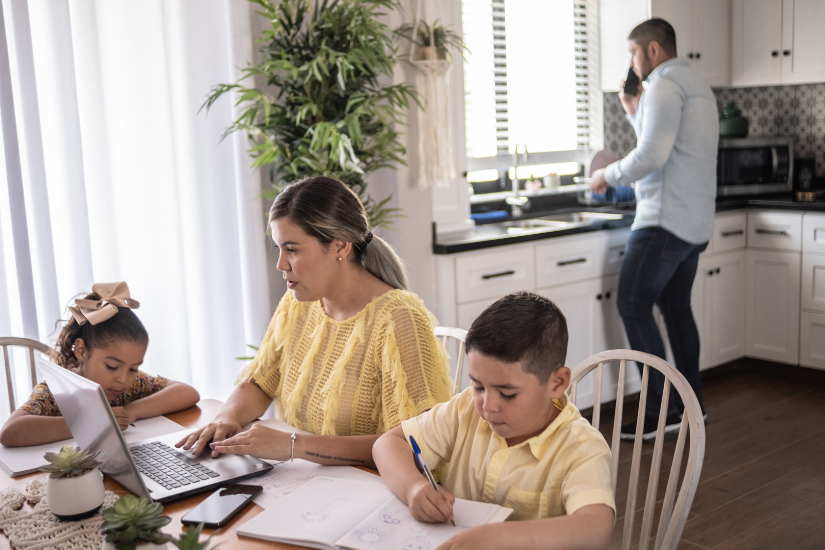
(221, 506)
(631, 83)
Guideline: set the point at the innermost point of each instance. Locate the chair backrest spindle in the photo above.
(446, 334)
(31, 346)
(679, 493)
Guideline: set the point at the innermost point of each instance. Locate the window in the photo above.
(528, 80)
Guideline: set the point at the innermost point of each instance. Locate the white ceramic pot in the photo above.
(147, 546)
(74, 498)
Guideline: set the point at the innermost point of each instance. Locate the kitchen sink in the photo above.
(557, 221)
(579, 218)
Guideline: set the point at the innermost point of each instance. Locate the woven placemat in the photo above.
(40, 529)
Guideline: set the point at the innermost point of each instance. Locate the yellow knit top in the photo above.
(360, 376)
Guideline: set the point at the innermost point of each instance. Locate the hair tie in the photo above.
(112, 296)
(368, 238)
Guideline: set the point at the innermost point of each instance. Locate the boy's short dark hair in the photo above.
(657, 30)
(522, 327)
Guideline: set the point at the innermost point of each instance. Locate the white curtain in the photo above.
(119, 177)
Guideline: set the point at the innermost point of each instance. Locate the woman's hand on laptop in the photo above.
(217, 430)
(258, 441)
(123, 417)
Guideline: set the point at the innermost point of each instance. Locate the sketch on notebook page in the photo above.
(323, 513)
(421, 540)
(390, 515)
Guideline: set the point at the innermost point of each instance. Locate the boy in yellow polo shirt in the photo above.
(512, 439)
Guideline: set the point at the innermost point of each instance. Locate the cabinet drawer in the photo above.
(730, 232)
(776, 230)
(813, 282)
(567, 260)
(813, 233)
(491, 274)
(468, 312)
(613, 245)
(812, 340)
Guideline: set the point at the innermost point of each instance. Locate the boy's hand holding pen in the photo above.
(427, 501)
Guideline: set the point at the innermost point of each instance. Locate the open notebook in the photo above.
(334, 513)
(16, 461)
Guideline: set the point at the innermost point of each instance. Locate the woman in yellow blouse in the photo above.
(349, 353)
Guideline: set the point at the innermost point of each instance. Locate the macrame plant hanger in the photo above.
(435, 146)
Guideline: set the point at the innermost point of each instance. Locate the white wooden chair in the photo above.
(457, 335)
(32, 346)
(674, 508)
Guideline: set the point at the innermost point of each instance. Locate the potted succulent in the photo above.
(426, 37)
(75, 486)
(190, 540)
(134, 524)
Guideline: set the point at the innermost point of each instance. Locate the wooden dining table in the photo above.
(194, 417)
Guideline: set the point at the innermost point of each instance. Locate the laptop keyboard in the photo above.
(169, 467)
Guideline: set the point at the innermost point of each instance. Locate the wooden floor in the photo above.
(763, 479)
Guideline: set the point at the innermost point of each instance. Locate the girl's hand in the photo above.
(217, 430)
(123, 416)
(426, 504)
(259, 441)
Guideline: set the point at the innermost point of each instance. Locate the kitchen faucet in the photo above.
(517, 201)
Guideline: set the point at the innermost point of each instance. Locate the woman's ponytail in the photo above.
(327, 209)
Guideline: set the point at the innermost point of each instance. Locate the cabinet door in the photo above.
(757, 42)
(727, 308)
(812, 340)
(775, 230)
(701, 301)
(803, 41)
(567, 260)
(577, 302)
(679, 14)
(772, 305)
(813, 233)
(710, 40)
(730, 232)
(813, 282)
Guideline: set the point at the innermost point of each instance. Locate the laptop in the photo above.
(151, 467)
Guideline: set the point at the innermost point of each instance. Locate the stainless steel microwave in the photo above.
(749, 166)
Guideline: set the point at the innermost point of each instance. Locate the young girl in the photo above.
(105, 342)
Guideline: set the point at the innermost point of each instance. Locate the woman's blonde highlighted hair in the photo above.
(327, 209)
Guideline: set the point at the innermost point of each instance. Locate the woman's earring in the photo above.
(340, 259)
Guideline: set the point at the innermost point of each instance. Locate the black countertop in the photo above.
(491, 234)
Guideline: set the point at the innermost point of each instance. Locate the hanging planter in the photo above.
(432, 61)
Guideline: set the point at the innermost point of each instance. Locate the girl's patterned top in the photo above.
(41, 402)
(355, 377)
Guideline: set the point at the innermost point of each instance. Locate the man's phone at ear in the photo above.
(631, 83)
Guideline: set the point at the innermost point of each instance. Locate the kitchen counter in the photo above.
(496, 234)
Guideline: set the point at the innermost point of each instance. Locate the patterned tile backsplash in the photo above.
(796, 111)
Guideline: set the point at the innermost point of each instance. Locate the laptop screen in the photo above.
(92, 423)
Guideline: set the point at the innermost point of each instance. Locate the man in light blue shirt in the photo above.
(674, 167)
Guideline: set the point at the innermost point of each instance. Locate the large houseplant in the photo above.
(321, 104)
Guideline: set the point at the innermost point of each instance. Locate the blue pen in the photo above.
(423, 465)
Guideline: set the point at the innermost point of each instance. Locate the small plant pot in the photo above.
(145, 546)
(428, 53)
(74, 498)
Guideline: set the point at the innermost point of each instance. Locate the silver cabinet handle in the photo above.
(570, 262)
(763, 231)
(732, 233)
(501, 274)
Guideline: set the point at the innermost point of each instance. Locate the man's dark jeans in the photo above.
(659, 268)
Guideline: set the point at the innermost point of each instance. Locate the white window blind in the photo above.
(529, 75)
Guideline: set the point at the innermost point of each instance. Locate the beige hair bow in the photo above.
(112, 296)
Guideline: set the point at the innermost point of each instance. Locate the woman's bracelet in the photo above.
(292, 454)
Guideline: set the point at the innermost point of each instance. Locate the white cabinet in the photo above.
(718, 302)
(490, 274)
(772, 305)
(775, 230)
(813, 282)
(569, 259)
(777, 42)
(803, 41)
(702, 34)
(813, 233)
(727, 308)
(812, 340)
